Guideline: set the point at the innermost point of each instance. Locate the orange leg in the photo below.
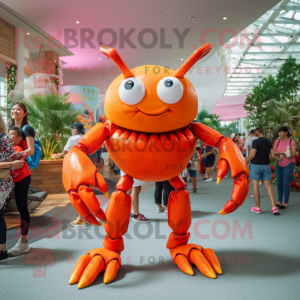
(179, 219)
(108, 258)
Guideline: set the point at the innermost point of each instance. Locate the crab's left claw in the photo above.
(231, 156)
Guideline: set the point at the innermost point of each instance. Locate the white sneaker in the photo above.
(160, 210)
(18, 249)
(209, 179)
(166, 212)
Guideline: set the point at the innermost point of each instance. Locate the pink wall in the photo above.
(231, 108)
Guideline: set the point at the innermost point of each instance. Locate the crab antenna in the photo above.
(114, 55)
(198, 54)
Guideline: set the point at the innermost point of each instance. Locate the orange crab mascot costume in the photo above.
(151, 137)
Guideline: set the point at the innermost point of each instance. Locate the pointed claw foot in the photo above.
(94, 262)
(205, 260)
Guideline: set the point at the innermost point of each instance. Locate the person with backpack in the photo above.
(285, 150)
(19, 118)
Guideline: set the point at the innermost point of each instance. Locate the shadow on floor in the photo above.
(234, 263)
(196, 214)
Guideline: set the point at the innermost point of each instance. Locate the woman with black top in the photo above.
(19, 118)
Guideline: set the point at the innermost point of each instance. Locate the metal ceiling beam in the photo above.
(284, 34)
(245, 82)
(256, 80)
(273, 44)
(261, 76)
(272, 17)
(275, 53)
(290, 6)
(265, 59)
(283, 22)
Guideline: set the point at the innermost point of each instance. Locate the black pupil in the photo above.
(129, 85)
(168, 83)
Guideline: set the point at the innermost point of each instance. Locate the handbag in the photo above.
(4, 173)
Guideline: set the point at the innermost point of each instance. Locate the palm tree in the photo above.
(51, 115)
(230, 128)
(279, 113)
(210, 120)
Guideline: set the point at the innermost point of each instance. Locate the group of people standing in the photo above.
(260, 152)
(16, 143)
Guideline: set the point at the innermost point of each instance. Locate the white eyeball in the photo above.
(132, 90)
(169, 90)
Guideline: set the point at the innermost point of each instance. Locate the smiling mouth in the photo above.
(154, 114)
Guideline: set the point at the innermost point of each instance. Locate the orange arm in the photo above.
(94, 138)
(230, 157)
(207, 135)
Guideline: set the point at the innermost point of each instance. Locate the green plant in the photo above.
(49, 145)
(210, 120)
(274, 101)
(230, 128)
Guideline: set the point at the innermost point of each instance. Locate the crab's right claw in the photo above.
(232, 158)
(90, 265)
(78, 174)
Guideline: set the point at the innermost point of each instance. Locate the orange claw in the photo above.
(91, 272)
(204, 259)
(197, 258)
(222, 170)
(94, 262)
(230, 156)
(183, 264)
(82, 263)
(78, 174)
(213, 260)
(111, 271)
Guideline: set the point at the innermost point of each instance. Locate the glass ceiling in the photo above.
(267, 44)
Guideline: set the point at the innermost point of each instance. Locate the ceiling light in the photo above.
(77, 22)
(28, 33)
(182, 59)
(224, 18)
(73, 43)
(99, 58)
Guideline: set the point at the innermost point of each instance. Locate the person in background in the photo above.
(249, 141)
(209, 161)
(185, 173)
(77, 133)
(6, 156)
(117, 170)
(193, 169)
(232, 136)
(166, 188)
(285, 165)
(16, 135)
(243, 140)
(19, 118)
(261, 154)
(239, 142)
(203, 151)
(134, 193)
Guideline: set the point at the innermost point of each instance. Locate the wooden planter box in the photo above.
(48, 176)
